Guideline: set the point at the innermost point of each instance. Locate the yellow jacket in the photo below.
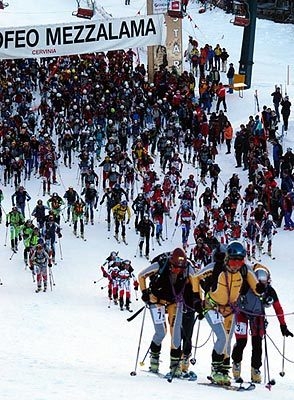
(119, 212)
(222, 288)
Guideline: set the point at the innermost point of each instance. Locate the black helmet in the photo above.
(236, 250)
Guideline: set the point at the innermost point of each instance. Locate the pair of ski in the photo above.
(270, 255)
(190, 376)
(118, 241)
(127, 309)
(238, 386)
(40, 290)
(158, 240)
(80, 237)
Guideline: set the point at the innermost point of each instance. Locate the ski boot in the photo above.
(185, 363)
(236, 370)
(255, 375)
(121, 303)
(128, 305)
(175, 367)
(217, 376)
(225, 371)
(154, 362)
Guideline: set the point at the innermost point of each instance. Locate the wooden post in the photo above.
(150, 49)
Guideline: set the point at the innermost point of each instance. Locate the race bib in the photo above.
(158, 315)
(215, 317)
(241, 328)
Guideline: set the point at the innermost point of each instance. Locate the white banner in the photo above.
(81, 37)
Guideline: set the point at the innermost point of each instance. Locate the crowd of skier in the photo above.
(132, 140)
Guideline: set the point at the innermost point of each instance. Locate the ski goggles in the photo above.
(235, 263)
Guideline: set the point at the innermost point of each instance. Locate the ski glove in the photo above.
(260, 287)
(176, 224)
(105, 275)
(7, 224)
(59, 235)
(136, 285)
(285, 331)
(145, 295)
(50, 265)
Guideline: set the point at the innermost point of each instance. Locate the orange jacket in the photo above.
(228, 132)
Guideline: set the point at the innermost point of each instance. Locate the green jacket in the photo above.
(15, 219)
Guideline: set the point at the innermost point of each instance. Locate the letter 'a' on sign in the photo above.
(175, 9)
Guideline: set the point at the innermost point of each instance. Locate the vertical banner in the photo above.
(170, 55)
(174, 43)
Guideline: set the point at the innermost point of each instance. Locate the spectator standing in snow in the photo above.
(285, 111)
(230, 76)
(221, 97)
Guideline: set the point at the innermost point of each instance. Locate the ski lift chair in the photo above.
(84, 12)
(241, 13)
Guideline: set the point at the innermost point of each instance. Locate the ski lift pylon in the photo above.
(241, 13)
(84, 12)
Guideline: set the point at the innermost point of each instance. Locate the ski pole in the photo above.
(173, 234)
(174, 370)
(144, 358)
(270, 382)
(136, 314)
(134, 372)
(165, 221)
(40, 187)
(29, 210)
(1, 283)
(99, 280)
(13, 252)
(282, 373)
(51, 278)
(6, 233)
(193, 359)
(137, 248)
(60, 249)
(152, 242)
(103, 287)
